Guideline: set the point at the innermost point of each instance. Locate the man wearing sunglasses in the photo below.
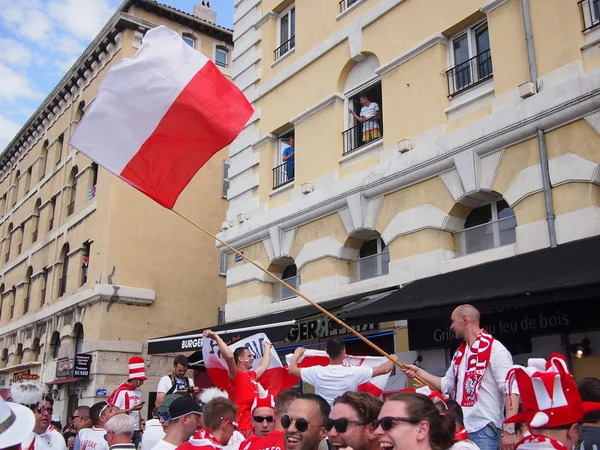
(93, 438)
(81, 420)
(350, 422)
(304, 422)
(263, 413)
(183, 416)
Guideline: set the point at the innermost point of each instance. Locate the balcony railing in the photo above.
(486, 236)
(361, 134)
(285, 47)
(70, 208)
(590, 13)
(283, 174)
(469, 73)
(345, 4)
(51, 224)
(370, 266)
(280, 292)
(62, 286)
(34, 236)
(25, 305)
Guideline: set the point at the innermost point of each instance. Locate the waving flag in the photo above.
(275, 379)
(160, 115)
(320, 358)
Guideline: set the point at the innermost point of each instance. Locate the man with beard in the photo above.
(81, 421)
(350, 422)
(304, 422)
(44, 436)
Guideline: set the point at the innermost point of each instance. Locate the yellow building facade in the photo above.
(89, 264)
(484, 143)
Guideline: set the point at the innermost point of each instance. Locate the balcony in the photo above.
(345, 4)
(70, 208)
(285, 47)
(62, 286)
(51, 224)
(469, 73)
(362, 134)
(280, 292)
(283, 174)
(370, 267)
(34, 236)
(486, 236)
(590, 13)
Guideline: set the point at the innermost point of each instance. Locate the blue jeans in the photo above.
(488, 438)
(289, 169)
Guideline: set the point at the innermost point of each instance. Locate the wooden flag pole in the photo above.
(320, 308)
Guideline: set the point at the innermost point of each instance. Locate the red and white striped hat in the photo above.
(263, 400)
(137, 368)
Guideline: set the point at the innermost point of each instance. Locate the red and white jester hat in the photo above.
(549, 393)
(263, 400)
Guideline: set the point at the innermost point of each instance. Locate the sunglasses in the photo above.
(387, 423)
(41, 410)
(164, 416)
(340, 425)
(261, 419)
(302, 424)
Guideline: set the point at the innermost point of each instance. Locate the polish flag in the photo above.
(160, 115)
(275, 379)
(375, 386)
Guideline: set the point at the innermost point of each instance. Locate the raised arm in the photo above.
(294, 369)
(225, 352)
(266, 359)
(386, 367)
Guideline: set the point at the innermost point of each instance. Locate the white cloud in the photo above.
(16, 85)
(84, 19)
(27, 19)
(8, 129)
(14, 53)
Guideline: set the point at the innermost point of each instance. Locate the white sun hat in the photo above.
(16, 423)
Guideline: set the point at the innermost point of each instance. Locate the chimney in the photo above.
(204, 12)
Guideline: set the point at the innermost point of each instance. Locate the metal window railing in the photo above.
(70, 208)
(361, 134)
(62, 286)
(34, 236)
(345, 4)
(283, 293)
(220, 63)
(283, 174)
(590, 13)
(469, 73)
(370, 266)
(285, 47)
(486, 236)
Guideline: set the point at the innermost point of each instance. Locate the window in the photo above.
(8, 242)
(470, 58)
(43, 285)
(287, 32)
(79, 338)
(13, 294)
(1, 299)
(62, 282)
(28, 180)
(71, 205)
(189, 40)
(20, 231)
(488, 226)
(80, 111)
(345, 4)
(51, 208)
(44, 160)
(92, 188)
(85, 263)
(29, 280)
(3, 205)
(59, 149)
(223, 264)
(590, 12)
(365, 119)
(285, 161)
(16, 188)
(36, 220)
(291, 277)
(226, 165)
(373, 260)
(222, 57)
(55, 344)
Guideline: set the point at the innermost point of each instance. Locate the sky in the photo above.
(41, 39)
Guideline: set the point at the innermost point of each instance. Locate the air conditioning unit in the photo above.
(404, 146)
(306, 188)
(526, 89)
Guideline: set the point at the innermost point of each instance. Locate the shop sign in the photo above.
(101, 392)
(508, 324)
(323, 328)
(82, 366)
(24, 375)
(64, 368)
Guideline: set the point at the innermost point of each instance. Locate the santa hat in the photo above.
(549, 394)
(27, 393)
(263, 400)
(209, 394)
(137, 368)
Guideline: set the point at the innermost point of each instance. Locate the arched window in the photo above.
(80, 111)
(291, 277)
(5, 354)
(36, 220)
(62, 282)
(20, 231)
(44, 160)
(189, 39)
(55, 344)
(43, 286)
(373, 260)
(29, 280)
(3, 205)
(9, 234)
(59, 149)
(487, 226)
(73, 182)
(13, 295)
(51, 210)
(16, 188)
(28, 180)
(35, 346)
(85, 262)
(78, 338)
(1, 300)
(222, 56)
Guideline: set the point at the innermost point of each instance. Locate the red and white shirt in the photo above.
(242, 391)
(204, 440)
(92, 439)
(272, 441)
(129, 399)
(51, 439)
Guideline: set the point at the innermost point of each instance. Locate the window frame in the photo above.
(281, 143)
(225, 51)
(191, 37)
(494, 222)
(285, 12)
(590, 14)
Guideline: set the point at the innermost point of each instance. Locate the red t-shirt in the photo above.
(272, 441)
(202, 440)
(242, 391)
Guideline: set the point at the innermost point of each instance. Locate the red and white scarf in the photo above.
(477, 363)
(461, 435)
(539, 442)
(113, 397)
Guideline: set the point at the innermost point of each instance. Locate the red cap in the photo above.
(263, 400)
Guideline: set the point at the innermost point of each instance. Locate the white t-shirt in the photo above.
(128, 399)
(465, 445)
(164, 445)
(51, 439)
(489, 407)
(152, 434)
(93, 439)
(332, 381)
(164, 385)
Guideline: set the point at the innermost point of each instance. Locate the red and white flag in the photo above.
(375, 386)
(275, 379)
(160, 115)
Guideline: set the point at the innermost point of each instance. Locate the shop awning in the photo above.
(5, 393)
(275, 325)
(570, 271)
(64, 381)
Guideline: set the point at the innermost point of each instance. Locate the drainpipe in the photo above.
(540, 133)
